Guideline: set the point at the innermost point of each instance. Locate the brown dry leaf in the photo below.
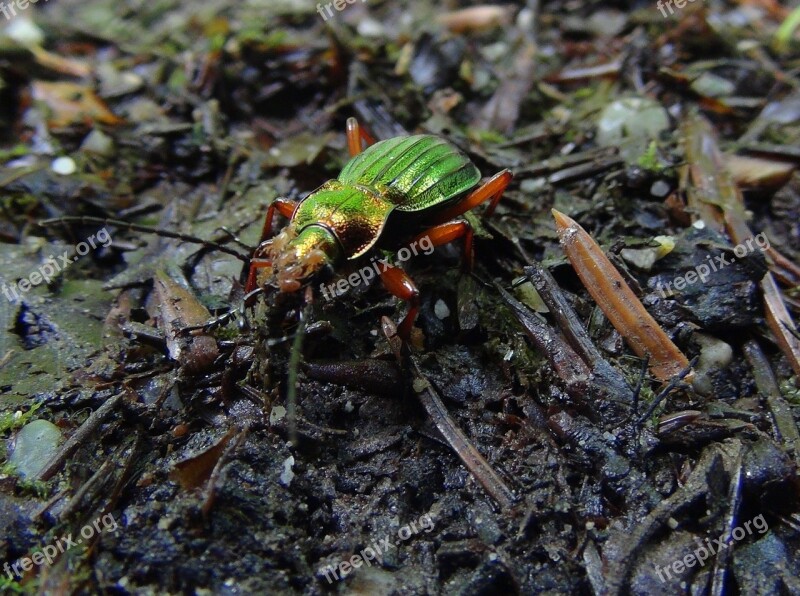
(476, 18)
(60, 64)
(178, 308)
(72, 103)
(758, 172)
(193, 472)
(618, 302)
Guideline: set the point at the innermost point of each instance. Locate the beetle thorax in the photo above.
(297, 256)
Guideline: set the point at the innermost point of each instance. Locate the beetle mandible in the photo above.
(402, 188)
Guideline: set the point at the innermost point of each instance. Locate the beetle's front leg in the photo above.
(252, 274)
(401, 285)
(355, 134)
(284, 206)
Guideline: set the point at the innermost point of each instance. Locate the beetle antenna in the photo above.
(234, 238)
(84, 219)
(225, 318)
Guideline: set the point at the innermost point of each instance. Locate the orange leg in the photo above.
(446, 233)
(355, 134)
(284, 206)
(492, 189)
(252, 275)
(401, 285)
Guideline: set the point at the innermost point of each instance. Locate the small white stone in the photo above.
(98, 142)
(25, 32)
(672, 523)
(276, 414)
(287, 475)
(64, 166)
(35, 445)
(368, 27)
(440, 309)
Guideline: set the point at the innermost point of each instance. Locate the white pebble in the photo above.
(287, 475)
(276, 414)
(35, 445)
(25, 32)
(64, 166)
(440, 310)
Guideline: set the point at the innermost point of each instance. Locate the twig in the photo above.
(82, 219)
(473, 460)
(782, 418)
(83, 433)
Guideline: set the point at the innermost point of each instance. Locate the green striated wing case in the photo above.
(415, 173)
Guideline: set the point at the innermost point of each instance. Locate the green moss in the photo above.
(790, 391)
(8, 586)
(12, 421)
(649, 159)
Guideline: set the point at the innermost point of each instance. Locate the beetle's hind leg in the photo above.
(356, 134)
(401, 285)
(490, 190)
(449, 232)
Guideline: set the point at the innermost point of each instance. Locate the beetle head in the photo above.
(298, 257)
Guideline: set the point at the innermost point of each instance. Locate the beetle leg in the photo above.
(401, 285)
(355, 134)
(491, 189)
(284, 206)
(252, 275)
(446, 233)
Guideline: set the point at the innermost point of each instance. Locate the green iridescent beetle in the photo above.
(395, 191)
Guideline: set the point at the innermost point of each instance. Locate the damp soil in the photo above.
(516, 444)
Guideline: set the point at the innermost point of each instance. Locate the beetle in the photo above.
(406, 187)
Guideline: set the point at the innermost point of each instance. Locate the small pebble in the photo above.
(641, 258)
(25, 32)
(287, 475)
(672, 523)
(64, 166)
(368, 27)
(35, 445)
(659, 189)
(715, 355)
(98, 142)
(440, 310)
(276, 414)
